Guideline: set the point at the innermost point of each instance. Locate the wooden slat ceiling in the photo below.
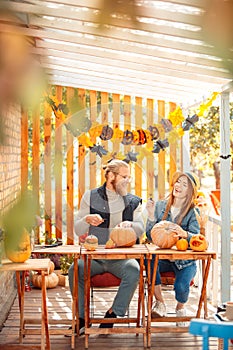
(152, 49)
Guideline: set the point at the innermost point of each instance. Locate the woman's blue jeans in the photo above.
(183, 277)
(127, 270)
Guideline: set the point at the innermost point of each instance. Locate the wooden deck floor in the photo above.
(59, 303)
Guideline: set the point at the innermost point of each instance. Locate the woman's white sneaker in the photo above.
(181, 313)
(158, 310)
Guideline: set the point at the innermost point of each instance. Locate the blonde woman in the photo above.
(177, 208)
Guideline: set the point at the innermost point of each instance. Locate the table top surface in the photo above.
(60, 249)
(173, 253)
(124, 252)
(30, 264)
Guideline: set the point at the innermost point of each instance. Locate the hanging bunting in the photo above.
(87, 132)
(131, 156)
(189, 122)
(98, 149)
(160, 145)
(167, 125)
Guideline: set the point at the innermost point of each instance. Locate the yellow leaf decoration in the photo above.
(117, 134)
(176, 117)
(204, 106)
(95, 131)
(84, 140)
(180, 132)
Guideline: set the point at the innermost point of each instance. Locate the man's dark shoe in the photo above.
(108, 315)
(81, 328)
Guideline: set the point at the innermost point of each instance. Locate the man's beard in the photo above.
(121, 188)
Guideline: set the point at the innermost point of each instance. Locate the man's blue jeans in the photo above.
(183, 277)
(127, 270)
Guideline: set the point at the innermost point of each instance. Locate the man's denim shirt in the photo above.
(189, 224)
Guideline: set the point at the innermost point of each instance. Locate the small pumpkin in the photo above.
(182, 244)
(19, 249)
(51, 280)
(91, 242)
(198, 243)
(123, 236)
(162, 234)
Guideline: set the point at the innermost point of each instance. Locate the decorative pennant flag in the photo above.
(99, 150)
(107, 133)
(154, 132)
(160, 145)
(167, 124)
(127, 137)
(189, 122)
(131, 157)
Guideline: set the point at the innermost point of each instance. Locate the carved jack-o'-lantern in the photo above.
(198, 243)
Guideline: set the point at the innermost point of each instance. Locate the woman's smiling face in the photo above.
(181, 187)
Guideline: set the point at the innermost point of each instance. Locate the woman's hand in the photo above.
(179, 232)
(94, 219)
(150, 207)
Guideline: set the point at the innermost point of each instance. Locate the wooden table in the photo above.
(41, 265)
(75, 251)
(174, 254)
(136, 252)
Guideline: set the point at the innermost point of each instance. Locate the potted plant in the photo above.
(65, 263)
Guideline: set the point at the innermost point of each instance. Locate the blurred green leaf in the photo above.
(21, 215)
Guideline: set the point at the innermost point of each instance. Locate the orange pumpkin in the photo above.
(110, 244)
(123, 236)
(51, 280)
(162, 234)
(19, 249)
(198, 243)
(91, 242)
(182, 244)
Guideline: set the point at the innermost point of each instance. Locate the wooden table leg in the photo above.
(203, 289)
(141, 302)
(44, 316)
(75, 314)
(87, 283)
(20, 289)
(150, 297)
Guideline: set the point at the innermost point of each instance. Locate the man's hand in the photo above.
(121, 187)
(150, 207)
(94, 219)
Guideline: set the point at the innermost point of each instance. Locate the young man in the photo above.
(102, 209)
